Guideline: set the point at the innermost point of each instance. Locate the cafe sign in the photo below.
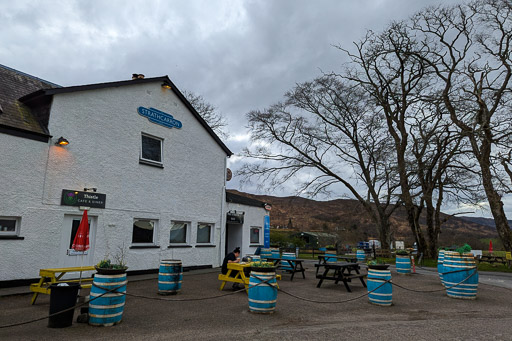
(77, 198)
(159, 117)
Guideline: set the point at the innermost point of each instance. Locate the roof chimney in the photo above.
(137, 76)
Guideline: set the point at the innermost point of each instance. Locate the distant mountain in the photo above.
(349, 220)
(483, 221)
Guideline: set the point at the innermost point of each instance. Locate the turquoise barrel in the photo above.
(403, 265)
(459, 268)
(275, 253)
(254, 258)
(360, 255)
(107, 310)
(262, 297)
(170, 276)
(330, 260)
(440, 260)
(285, 265)
(379, 293)
(265, 253)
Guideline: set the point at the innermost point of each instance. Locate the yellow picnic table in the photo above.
(237, 269)
(51, 276)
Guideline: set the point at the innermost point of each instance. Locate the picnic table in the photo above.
(54, 275)
(236, 274)
(339, 272)
(322, 259)
(507, 260)
(295, 265)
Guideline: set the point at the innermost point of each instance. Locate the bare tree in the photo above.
(208, 112)
(326, 133)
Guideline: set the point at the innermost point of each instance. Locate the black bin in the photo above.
(62, 297)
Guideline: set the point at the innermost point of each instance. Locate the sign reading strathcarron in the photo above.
(159, 117)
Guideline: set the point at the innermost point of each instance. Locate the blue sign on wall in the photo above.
(266, 232)
(159, 117)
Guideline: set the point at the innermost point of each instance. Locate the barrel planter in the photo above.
(107, 310)
(170, 276)
(378, 292)
(285, 265)
(265, 253)
(328, 257)
(254, 258)
(360, 255)
(403, 264)
(459, 268)
(275, 253)
(262, 297)
(440, 259)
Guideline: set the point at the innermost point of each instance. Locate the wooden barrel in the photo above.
(330, 260)
(384, 294)
(285, 265)
(275, 253)
(170, 276)
(403, 265)
(263, 297)
(107, 310)
(460, 268)
(265, 253)
(440, 259)
(361, 256)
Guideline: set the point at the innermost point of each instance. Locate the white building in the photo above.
(149, 167)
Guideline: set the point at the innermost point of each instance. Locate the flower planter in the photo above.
(262, 290)
(109, 271)
(108, 295)
(403, 265)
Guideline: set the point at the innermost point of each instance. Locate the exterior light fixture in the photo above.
(166, 86)
(92, 189)
(62, 142)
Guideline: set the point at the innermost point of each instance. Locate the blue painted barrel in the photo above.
(265, 253)
(275, 253)
(403, 265)
(360, 255)
(330, 260)
(107, 310)
(285, 265)
(170, 276)
(262, 297)
(440, 260)
(254, 258)
(384, 294)
(460, 268)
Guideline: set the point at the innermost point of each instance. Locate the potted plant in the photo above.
(112, 267)
(262, 266)
(376, 265)
(402, 253)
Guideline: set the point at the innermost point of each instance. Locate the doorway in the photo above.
(69, 257)
(233, 237)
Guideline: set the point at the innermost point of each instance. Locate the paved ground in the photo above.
(413, 316)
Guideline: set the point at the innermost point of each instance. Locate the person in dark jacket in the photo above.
(232, 257)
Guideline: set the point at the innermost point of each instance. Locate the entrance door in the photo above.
(69, 257)
(233, 237)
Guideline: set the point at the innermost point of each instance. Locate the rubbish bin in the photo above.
(63, 296)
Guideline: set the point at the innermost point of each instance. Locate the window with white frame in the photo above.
(179, 232)
(151, 149)
(144, 231)
(255, 234)
(204, 233)
(9, 226)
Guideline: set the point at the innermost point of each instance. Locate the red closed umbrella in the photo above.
(81, 241)
(490, 246)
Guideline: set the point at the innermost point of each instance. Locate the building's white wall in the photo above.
(104, 131)
(254, 216)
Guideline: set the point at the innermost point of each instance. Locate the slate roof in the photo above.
(239, 199)
(16, 118)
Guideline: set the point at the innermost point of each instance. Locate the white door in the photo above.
(69, 257)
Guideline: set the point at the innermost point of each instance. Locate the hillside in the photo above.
(351, 223)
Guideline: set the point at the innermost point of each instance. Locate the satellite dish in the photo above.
(229, 174)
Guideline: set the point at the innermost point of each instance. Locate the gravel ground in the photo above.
(413, 315)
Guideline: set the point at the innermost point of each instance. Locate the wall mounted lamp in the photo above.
(166, 86)
(62, 142)
(93, 189)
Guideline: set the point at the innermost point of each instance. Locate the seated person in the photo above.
(232, 257)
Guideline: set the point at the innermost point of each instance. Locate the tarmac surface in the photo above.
(303, 312)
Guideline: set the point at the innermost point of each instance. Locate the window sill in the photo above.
(178, 246)
(11, 237)
(151, 163)
(206, 245)
(144, 247)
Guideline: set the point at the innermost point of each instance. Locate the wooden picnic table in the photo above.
(322, 259)
(236, 274)
(340, 272)
(54, 275)
(295, 265)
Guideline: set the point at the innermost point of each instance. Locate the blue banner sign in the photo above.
(266, 232)
(159, 117)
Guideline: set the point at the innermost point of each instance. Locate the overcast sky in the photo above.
(239, 55)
